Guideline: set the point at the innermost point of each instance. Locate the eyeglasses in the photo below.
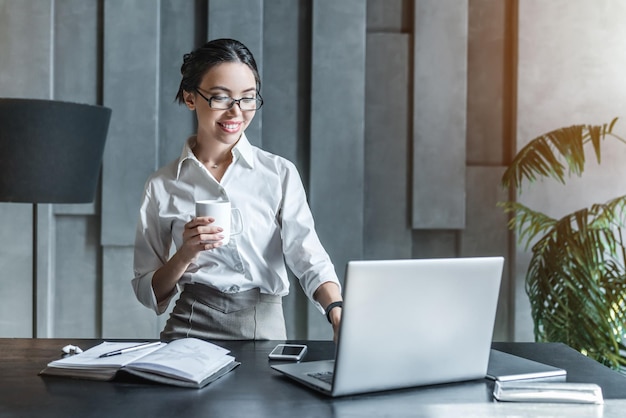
(226, 102)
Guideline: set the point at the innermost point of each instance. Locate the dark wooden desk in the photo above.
(253, 389)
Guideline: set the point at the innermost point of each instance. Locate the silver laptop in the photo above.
(409, 323)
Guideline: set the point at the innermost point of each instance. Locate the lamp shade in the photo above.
(50, 151)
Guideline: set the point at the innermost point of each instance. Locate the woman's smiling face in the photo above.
(234, 80)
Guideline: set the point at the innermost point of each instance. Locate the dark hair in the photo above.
(198, 62)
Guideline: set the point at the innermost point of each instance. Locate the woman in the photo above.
(231, 291)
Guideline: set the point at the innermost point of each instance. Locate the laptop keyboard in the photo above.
(326, 377)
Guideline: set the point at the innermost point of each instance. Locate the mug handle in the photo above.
(240, 223)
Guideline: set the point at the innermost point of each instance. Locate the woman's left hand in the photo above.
(335, 320)
(326, 294)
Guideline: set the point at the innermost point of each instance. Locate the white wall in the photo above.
(571, 70)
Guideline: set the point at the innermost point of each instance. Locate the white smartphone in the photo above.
(293, 352)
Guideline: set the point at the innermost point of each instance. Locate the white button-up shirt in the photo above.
(277, 226)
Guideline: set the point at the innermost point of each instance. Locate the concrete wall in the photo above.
(398, 113)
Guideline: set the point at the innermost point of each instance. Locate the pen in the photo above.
(129, 349)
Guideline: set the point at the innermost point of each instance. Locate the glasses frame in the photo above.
(209, 100)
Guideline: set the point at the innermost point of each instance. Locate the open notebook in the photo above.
(409, 323)
(188, 362)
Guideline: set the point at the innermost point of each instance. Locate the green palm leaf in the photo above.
(526, 222)
(542, 156)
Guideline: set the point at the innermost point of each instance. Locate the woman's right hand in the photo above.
(199, 235)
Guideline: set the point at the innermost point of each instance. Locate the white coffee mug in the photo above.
(221, 211)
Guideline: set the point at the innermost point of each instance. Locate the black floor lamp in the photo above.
(50, 152)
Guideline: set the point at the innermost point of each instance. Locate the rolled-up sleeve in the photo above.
(303, 251)
(152, 246)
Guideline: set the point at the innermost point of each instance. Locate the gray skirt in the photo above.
(205, 313)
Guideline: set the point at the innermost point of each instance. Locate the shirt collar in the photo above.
(242, 149)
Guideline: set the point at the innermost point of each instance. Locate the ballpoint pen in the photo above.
(129, 349)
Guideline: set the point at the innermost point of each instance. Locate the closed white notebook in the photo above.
(552, 392)
(508, 367)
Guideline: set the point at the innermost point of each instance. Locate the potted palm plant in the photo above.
(576, 280)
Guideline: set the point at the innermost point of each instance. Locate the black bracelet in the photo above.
(330, 308)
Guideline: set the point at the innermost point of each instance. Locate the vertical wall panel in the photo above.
(439, 114)
(76, 51)
(178, 37)
(488, 100)
(76, 288)
(25, 48)
(131, 39)
(16, 269)
(122, 315)
(241, 20)
(26, 40)
(238, 19)
(388, 16)
(286, 63)
(131, 89)
(387, 227)
(487, 234)
(337, 133)
(489, 106)
(76, 65)
(435, 244)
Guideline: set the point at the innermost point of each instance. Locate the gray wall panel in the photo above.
(387, 227)
(487, 233)
(241, 20)
(238, 19)
(25, 72)
(176, 122)
(131, 89)
(76, 284)
(16, 270)
(285, 81)
(76, 64)
(435, 243)
(26, 42)
(76, 51)
(439, 114)
(388, 16)
(122, 315)
(337, 132)
(286, 111)
(488, 102)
